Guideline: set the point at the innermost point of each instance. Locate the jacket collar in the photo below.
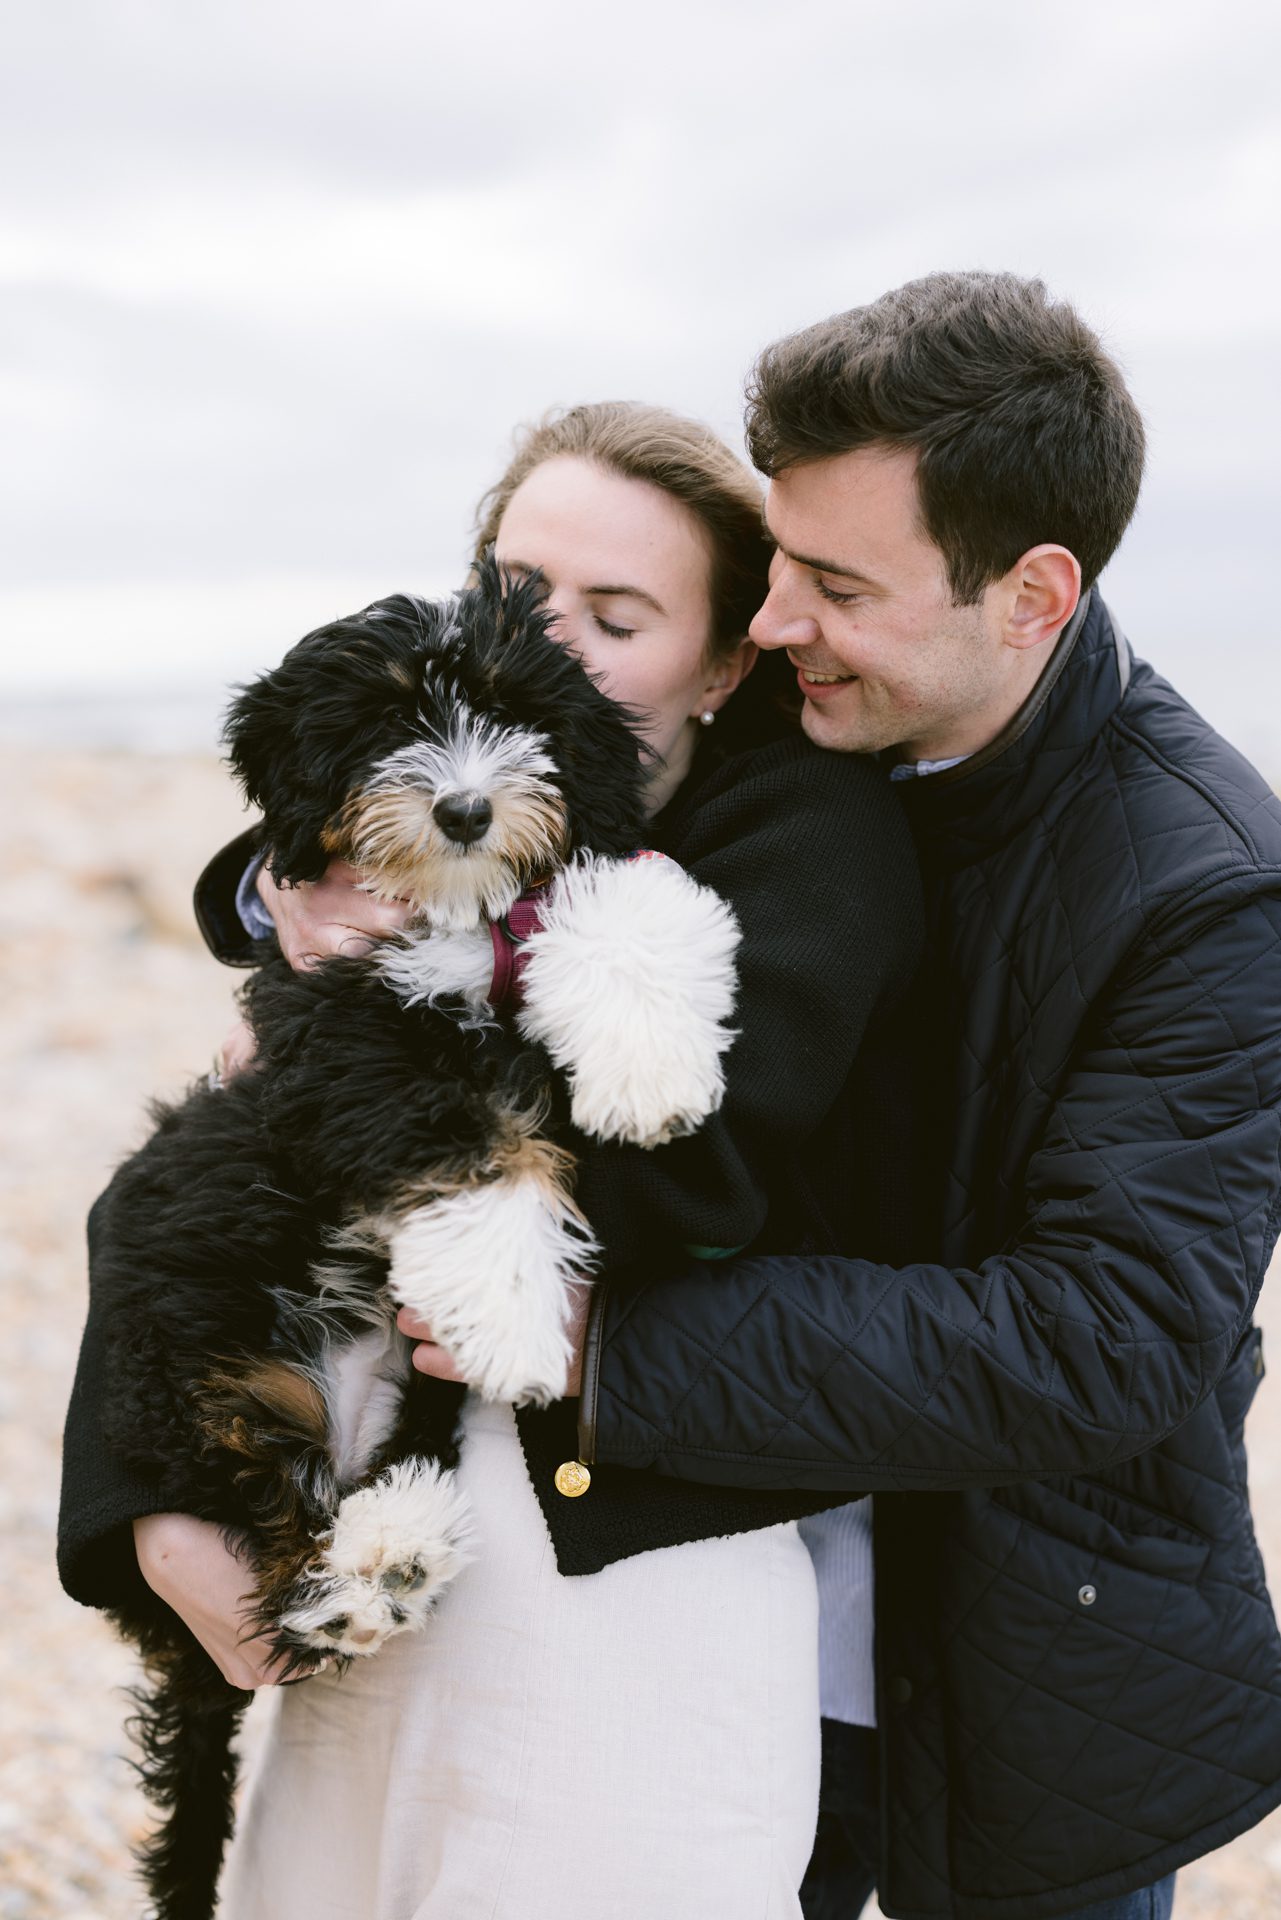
(967, 809)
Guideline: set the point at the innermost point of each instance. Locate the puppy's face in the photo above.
(451, 752)
(458, 820)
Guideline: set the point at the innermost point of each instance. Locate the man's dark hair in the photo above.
(1023, 427)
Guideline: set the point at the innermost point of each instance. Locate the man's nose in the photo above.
(780, 625)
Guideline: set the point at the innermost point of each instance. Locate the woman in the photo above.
(645, 1740)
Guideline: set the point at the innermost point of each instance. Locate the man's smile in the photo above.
(818, 682)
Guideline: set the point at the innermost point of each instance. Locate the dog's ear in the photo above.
(499, 611)
(300, 737)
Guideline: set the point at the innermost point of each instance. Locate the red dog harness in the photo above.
(511, 932)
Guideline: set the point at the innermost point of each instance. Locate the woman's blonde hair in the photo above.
(682, 458)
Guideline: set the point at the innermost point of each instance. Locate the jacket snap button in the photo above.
(572, 1478)
(900, 1690)
(1088, 1596)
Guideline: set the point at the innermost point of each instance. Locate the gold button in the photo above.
(572, 1478)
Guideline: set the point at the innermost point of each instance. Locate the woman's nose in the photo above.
(564, 627)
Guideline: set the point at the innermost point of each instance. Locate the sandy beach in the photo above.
(108, 998)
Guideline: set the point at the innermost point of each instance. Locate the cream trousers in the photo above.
(642, 1744)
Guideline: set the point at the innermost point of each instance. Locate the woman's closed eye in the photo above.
(607, 626)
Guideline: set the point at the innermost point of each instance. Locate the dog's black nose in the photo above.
(463, 817)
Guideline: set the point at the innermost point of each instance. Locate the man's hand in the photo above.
(189, 1565)
(431, 1358)
(331, 915)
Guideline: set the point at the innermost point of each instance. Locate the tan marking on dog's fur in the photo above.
(526, 1154)
(391, 836)
(335, 840)
(250, 1414)
(270, 1392)
(519, 1151)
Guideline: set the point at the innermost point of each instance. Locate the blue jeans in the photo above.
(841, 1875)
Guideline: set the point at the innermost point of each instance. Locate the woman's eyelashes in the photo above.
(563, 618)
(607, 626)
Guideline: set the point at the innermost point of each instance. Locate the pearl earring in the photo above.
(706, 717)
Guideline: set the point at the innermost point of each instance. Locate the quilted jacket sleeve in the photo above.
(1151, 1212)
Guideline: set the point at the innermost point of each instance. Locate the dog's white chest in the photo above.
(427, 966)
(364, 1384)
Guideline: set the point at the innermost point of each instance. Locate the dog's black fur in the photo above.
(212, 1241)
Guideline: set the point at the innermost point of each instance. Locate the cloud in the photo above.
(278, 280)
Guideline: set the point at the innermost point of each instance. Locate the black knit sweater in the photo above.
(810, 1151)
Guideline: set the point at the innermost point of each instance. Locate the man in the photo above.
(1078, 1671)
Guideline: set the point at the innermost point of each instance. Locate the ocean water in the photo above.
(117, 720)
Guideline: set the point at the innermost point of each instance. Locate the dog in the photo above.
(398, 1141)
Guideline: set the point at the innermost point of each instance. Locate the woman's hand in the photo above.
(187, 1562)
(428, 1356)
(330, 915)
(431, 1358)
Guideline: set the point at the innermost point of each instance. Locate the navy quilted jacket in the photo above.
(1079, 1670)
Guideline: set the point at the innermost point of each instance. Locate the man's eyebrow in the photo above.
(634, 593)
(819, 566)
(829, 566)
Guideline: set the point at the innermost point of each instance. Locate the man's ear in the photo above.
(1042, 591)
(727, 673)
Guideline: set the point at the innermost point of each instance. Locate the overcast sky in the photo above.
(278, 280)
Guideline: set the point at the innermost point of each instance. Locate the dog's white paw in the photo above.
(394, 1547)
(492, 1269)
(628, 983)
(651, 1103)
